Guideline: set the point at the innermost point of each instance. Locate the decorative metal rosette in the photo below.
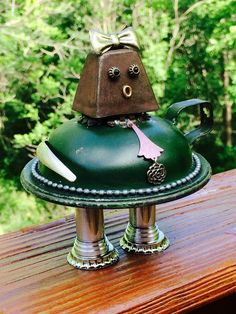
(156, 173)
(134, 70)
(114, 73)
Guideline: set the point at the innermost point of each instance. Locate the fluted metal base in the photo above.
(94, 255)
(142, 235)
(92, 249)
(144, 241)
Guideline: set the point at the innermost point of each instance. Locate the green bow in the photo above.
(102, 42)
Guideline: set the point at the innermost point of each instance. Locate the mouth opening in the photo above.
(127, 91)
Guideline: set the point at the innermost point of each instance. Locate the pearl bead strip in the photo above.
(94, 192)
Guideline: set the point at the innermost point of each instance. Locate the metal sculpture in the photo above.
(115, 155)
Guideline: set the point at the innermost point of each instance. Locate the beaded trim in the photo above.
(155, 189)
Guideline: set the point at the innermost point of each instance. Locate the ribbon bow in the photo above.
(102, 42)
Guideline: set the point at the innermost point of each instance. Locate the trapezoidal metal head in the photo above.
(114, 83)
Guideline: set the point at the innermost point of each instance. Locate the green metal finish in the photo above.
(105, 159)
(113, 202)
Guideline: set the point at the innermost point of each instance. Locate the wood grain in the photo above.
(198, 268)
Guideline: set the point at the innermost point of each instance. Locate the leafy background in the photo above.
(188, 48)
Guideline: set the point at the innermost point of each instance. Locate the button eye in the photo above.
(133, 70)
(114, 73)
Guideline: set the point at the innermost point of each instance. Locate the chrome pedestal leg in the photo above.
(142, 235)
(92, 249)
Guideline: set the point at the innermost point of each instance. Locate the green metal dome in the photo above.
(108, 173)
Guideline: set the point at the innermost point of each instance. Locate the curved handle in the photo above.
(206, 116)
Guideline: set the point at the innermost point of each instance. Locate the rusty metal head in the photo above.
(114, 83)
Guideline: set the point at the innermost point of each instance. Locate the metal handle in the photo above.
(206, 116)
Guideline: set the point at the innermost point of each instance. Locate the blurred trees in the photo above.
(188, 48)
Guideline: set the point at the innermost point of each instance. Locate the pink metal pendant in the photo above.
(156, 173)
(147, 149)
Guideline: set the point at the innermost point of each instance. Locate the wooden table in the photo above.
(198, 268)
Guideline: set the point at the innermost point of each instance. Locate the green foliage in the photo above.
(187, 47)
(18, 209)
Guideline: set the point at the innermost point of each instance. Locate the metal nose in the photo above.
(127, 91)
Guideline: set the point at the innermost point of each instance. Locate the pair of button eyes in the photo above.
(114, 72)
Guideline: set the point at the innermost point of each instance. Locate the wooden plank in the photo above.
(198, 267)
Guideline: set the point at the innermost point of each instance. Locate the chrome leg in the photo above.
(92, 249)
(142, 235)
